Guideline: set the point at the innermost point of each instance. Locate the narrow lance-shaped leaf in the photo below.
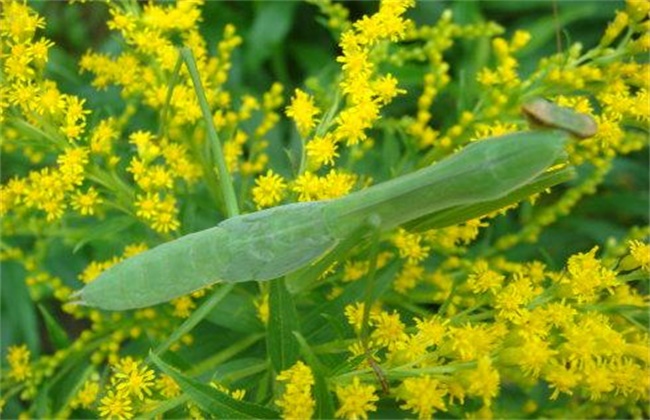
(283, 322)
(212, 400)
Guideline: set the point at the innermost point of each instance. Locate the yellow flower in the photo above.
(355, 400)
(95, 268)
(133, 379)
(103, 136)
(598, 379)
(511, 300)
(587, 276)
(165, 219)
(592, 336)
(75, 117)
(72, 163)
(262, 307)
(116, 405)
(563, 377)
(352, 123)
(307, 186)
(388, 330)
(408, 277)
(18, 358)
(615, 28)
(19, 22)
(179, 162)
(303, 111)
(354, 270)
(144, 142)
(474, 341)
(296, 401)
(86, 203)
(640, 252)
(483, 279)
(354, 314)
(484, 381)
(183, 306)
(160, 213)
(386, 88)
(134, 249)
(335, 184)
(269, 189)
(87, 395)
(167, 386)
(423, 396)
(409, 246)
(322, 150)
(533, 355)
(431, 331)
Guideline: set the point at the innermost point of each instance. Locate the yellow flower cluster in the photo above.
(364, 91)
(356, 400)
(296, 401)
(435, 41)
(133, 388)
(552, 334)
(423, 396)
(53, 120)
(303, 110)
(18, 358)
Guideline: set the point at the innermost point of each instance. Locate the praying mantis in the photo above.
(267, 244)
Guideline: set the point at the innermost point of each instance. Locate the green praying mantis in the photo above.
(267, 244)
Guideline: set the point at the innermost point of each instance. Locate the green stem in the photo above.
(222, 170)
(165, 406)
(170, 92)
(195, 318)
(225, 354)
(370, 282)
(634, 276)
(246, 372)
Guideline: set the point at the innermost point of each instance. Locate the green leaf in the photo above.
(57, 334)
(272, 23)
(210, 399)
(102, 231)
(19, 319)
(70, 384)
(283, 321)
(60, 388)
(162, 408)
(236, 312)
